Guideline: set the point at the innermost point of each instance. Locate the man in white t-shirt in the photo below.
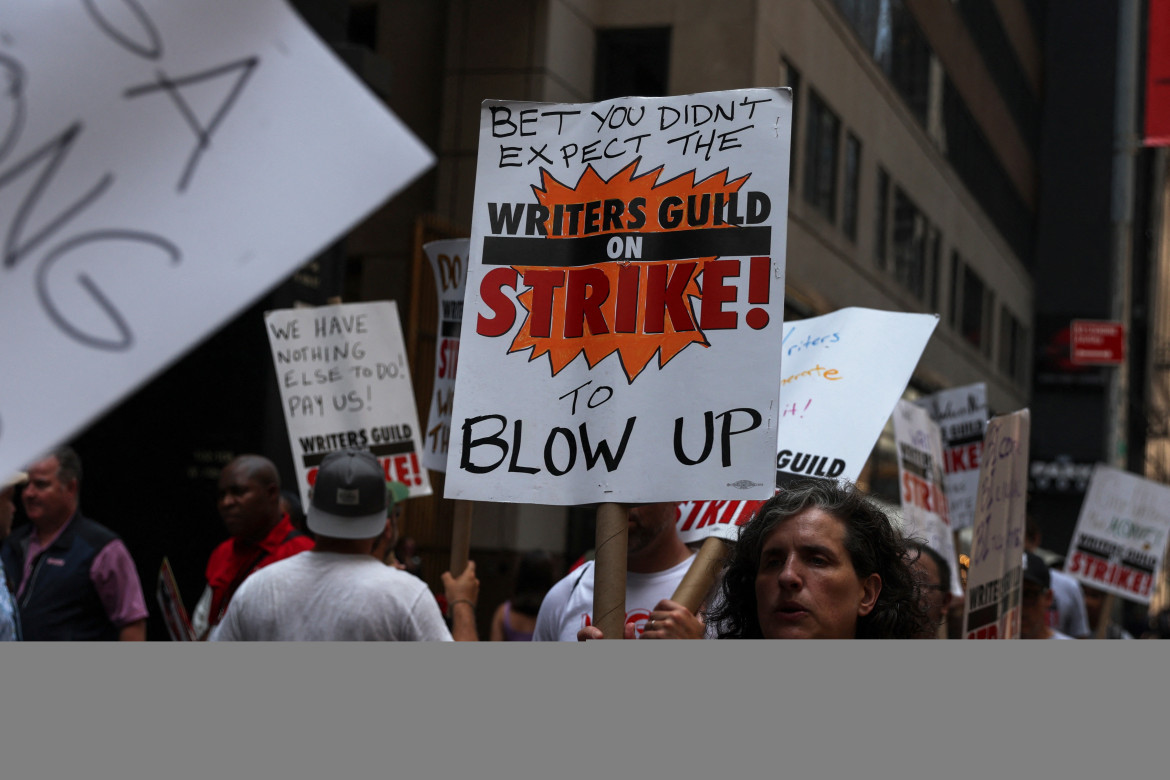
(656, 561)
(338, 591)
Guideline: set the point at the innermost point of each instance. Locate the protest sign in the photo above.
(449, 264)
(163, 163)
(1119, 543)
(171, 603)
(626, 275)
(843, 373)
(992, 607)
(920, 476)
(961, 414)
(345, 382)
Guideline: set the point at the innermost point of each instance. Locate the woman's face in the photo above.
(806, 587)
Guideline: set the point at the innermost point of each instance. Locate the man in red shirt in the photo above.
(260, 534)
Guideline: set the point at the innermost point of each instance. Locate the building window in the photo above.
(792, 79)
(975, 307)
(881, 218)
(935, 263)
(822, 136)
(1012, 346)
(631, 61)
(852, 177)
(910, 228)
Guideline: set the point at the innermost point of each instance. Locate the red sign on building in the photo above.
(1157, 130)
(1097, 343)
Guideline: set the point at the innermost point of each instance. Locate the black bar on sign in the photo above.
(591, 250)
(379, 450)
(450, 329)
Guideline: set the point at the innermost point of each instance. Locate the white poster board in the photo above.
(163, 163)
(991, 609)
(627, 273)
(920, 477)
(961, 414)
(843, 373)
(448, 261)
(1119, 544)
(345, 382)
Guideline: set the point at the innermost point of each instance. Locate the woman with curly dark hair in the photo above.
(819, 561)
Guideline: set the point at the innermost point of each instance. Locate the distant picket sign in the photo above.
(163, 165)
(448, 261)
(961, 414)
(1119, 543)
(345, 382)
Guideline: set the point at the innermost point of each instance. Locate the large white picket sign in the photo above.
(843, 373)
(1119, 544)
(626, 278)
(163, 163)
(920, 478)
(994, 581)
(345, 382)
(961, 414)
(449, 264)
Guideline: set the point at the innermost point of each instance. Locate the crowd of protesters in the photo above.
(819, 560)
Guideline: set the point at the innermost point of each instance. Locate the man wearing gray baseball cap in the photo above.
(338, 591)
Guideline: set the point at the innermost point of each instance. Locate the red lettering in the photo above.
(666, 297)
(587, 289)
(1099, 570)
(695, 507)
(711, 514)
(543, 282)
(490, 292)
(448, 358)
(629, 282)
(716, 293)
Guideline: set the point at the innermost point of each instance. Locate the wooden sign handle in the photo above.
(704, 571)
(609, 580)
(461, 537)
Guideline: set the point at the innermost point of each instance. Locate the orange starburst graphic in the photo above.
(620, 302)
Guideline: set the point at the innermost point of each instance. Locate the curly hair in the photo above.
(873, 545)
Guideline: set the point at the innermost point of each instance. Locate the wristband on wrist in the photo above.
(451, 606)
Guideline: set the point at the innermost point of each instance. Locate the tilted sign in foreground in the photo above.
(162, 165)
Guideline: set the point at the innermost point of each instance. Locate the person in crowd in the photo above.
(1067, 613)
(73, 578)
(1036, 600)
(934, 573)
(515, 619)
(290, 504)
(1095, 600)
(338, 591)
(396, 495)
(9, 624)
(819, 561)
(259, 534)
(656, 561)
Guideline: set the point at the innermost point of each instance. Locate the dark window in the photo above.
(852, 175)
(935, 269)
(822, 136)
(792, 79)
(631, 62)
(972, 313)
(1012, 346)
(362, 25)
(881, 217)
(910, 227)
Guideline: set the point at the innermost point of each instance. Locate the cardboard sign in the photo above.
(163, 163)
(449, 261)
(961, 414)
(843, 373)
(171, 604)
(1119, 544)
(923, 494)
(992, 607)
(345, 382)
(626, 276)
